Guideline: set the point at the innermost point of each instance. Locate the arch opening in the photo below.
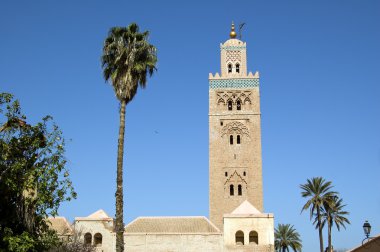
(240, 190)
(253, 237)
(239, 238)
(229, 66)
(229, 105)
(238, 105)
(87, 239)
(231, 190)
(98, 239)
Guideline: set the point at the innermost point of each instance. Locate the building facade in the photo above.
(237, 221)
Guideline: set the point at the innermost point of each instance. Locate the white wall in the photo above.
(264, 226)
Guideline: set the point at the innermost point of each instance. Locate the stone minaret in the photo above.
(234, 133)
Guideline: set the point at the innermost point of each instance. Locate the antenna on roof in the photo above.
(240, 28)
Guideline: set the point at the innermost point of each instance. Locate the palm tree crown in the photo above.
(319, 192)
(286, 237)
(334, 213)
(127, 59)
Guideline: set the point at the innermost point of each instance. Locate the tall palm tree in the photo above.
(332, 212)
(126, 61)
(286, 236)
(318, 191)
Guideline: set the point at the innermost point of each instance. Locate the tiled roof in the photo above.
(188, 224)
(60, 224)
(373, 243)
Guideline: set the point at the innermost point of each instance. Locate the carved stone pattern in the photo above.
(233, 56)
(235, 178)
(224, 96)
(235, 128)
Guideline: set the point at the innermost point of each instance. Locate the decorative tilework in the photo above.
(232, 48)
(234, 83)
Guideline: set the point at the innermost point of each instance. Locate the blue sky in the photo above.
(319, 63)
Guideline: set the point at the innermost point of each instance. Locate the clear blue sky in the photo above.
(319, 63)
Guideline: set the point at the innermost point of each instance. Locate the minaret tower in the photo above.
(234, 133)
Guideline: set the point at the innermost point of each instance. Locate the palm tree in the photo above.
(318, 191)
(286, 236)
(333, 213)
(126, 61)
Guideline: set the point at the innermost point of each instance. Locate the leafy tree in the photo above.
(318, 192)
(126, 61)
(285, 237)
(33, 178)
(332, 212)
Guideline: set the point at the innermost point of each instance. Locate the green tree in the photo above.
(333, 212)
(285, 237)
(127, 60)
(318, 192)
(33, 178)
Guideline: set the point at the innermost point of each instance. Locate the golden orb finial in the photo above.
(232, 33)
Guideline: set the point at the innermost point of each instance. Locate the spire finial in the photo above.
(233, 33)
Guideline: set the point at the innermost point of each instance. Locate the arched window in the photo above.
(230, 105)
(226, 174)
(230, 68)
(253, 237)
(98, 239)
(244, 173)
(237, 67)
(232, 190)
(239, 238)
(231, 139)
(238, 105)
(238, 139)
(239, 190)
(87, 239)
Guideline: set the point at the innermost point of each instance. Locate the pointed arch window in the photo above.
(231, 190)
(239, 238)
(237, 67)
(253, 237)
(238, 105)
(238, 139)
(229, 105)
(231, 139)
(240, 191)
(229, 66)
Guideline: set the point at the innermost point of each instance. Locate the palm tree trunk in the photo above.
(329, 236)
(320, 229)
(119, 226)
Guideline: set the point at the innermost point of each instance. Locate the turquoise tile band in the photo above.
(234, 83)
(232, 48)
